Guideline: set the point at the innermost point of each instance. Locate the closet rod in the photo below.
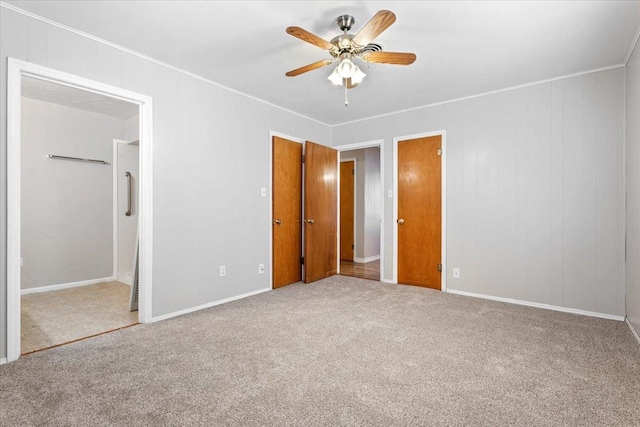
(77, 159)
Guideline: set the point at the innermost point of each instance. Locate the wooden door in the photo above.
(347, 175)
(420, 212)
(321, 216)
(287, 212)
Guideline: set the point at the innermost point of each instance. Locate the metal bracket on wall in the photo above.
(76, 159)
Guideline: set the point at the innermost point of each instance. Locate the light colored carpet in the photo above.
(343, 351)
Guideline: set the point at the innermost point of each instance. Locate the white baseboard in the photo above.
(633, 330)
(539, 305)
(126, 278)
(388, 281)
(3, 360)
(207, 305)
(366, 260)
(65, 285)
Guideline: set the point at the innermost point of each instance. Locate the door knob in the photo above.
(400, 221)
(310, 221)
(276, 221)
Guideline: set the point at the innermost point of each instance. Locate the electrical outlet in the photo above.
(263, 192)
(260, 268)
(456, 273)
(223, 270)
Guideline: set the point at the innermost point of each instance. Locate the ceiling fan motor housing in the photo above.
(343, 41)
(344, 44)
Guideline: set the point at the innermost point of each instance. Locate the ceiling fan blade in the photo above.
(306, 36)
(398, 58)
(380, 22)
(309, 67)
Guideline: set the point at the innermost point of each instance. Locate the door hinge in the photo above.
(353, 246)
(353, 171)
(439, 267)
(302, 158)
(302, 260)
(439, 151)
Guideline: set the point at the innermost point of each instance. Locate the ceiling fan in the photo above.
(346, 47)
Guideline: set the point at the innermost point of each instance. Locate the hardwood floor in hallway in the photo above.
(370, 270)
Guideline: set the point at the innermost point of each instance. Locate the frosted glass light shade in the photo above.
(357, 76)
(346, 68)
(335, 77)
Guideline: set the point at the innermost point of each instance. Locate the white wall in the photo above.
(66, 206)
(368, 201)
(534, 189)
(132, 129)
(633, 189)
(211, 157)
(373, 202)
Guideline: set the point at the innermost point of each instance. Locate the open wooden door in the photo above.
(287, 212)
(321, 216)
(347, 175)
(420, 212)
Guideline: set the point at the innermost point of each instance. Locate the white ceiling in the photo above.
(76, 98)
(463, 48)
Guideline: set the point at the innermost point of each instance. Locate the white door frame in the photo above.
(356, 146)
(397, 139)
(355, 187)
(16, 69)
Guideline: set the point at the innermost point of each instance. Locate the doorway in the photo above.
(361, 210)
(74, 254)
(347, 209)
(420, 210)
(42, 261)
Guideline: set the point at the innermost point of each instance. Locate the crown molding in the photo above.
(451, 101)
(632, 47)
(155, 61)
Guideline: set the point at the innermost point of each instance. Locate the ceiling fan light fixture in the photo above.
(335, 77)
(357, 76)
(345, 47)
(346, 69)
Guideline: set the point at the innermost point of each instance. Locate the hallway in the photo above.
(370, 270)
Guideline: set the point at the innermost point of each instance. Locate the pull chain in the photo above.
(346, 98)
